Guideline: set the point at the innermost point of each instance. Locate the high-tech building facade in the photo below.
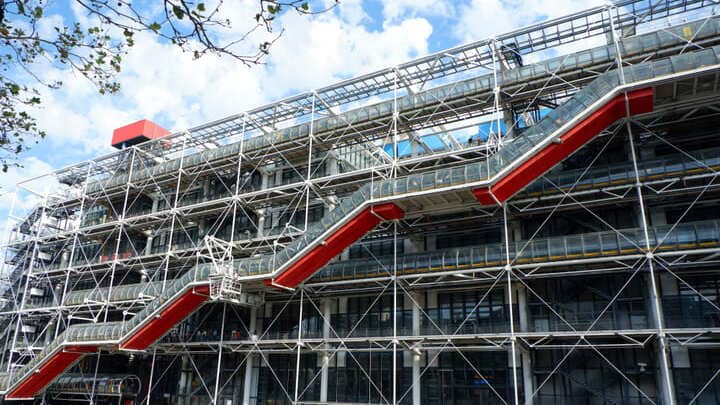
(529, 219)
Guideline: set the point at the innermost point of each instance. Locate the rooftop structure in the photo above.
(136, 133)
(505, 222)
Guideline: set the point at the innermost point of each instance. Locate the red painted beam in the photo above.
(169, 317)
(483, 196)
(640, 101)
(350, 232)
(48, 371)
(389, 211)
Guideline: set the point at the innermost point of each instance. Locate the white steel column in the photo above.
(236, 190)
(525, 354)
(248, 386)
(341, 356)
(395, 308)
(152, 371)
(308, 179)
(416, 377)
(416, 356)
(396, 116)
(496, 96)
(218, 371)
(299, 346)
(148, 244)
(509, 292)
(260, 214)
(666, 386)
(325, 359)
(528, 379)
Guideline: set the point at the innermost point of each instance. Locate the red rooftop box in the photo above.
(137, 132)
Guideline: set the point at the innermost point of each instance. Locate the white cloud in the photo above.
(328, 50)
(481, 19)
(394, 10)
(351, 11)
(31, 167)
(19, 200)
(162, 83)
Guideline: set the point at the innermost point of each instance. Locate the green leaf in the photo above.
(155, 27)
(201, 7)
(305, 6)
(38, 12)
(179, 12)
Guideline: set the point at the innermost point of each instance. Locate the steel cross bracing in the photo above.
(416, 74)
(112, 274)
(694, 180)
(441, 105)
(452, 61)
(275, 192)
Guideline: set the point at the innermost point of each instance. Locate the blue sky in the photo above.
(163, 84)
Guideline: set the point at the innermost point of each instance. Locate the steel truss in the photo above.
(91, 251)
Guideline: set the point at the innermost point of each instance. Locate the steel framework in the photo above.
(486, 230)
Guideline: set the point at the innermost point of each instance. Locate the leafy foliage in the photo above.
(95, 49)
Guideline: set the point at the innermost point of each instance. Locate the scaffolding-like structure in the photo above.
(530, 218)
